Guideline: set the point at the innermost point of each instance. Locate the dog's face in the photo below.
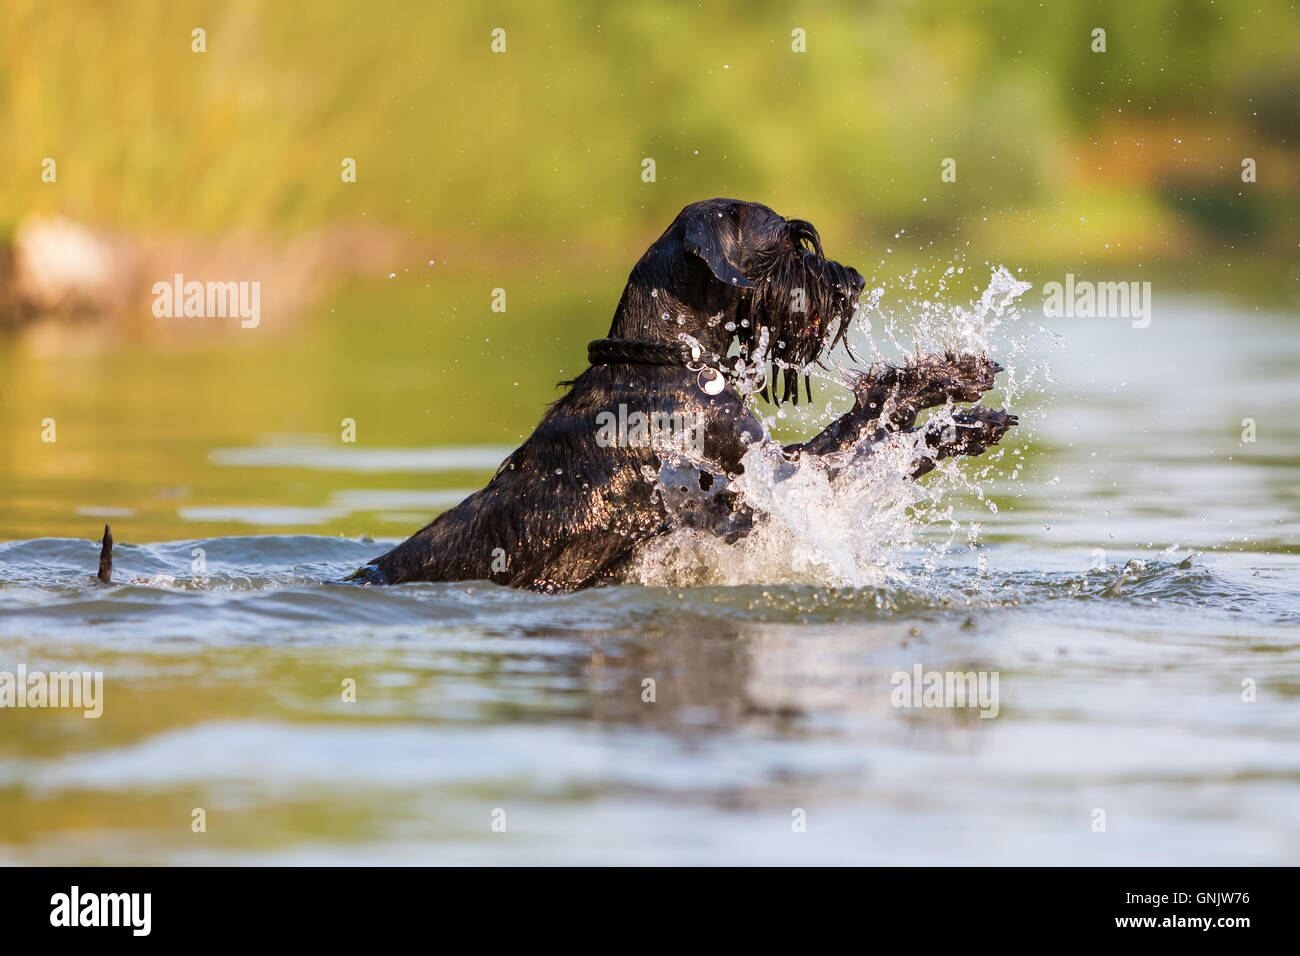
(756, 277)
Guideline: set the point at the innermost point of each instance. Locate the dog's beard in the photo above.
(801, 309)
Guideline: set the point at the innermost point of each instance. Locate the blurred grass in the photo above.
(1063, 155)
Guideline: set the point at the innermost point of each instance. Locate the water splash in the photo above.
(855, 520)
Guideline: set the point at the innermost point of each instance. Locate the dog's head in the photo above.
(730, 270)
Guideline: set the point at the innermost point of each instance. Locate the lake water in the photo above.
(1120, 670)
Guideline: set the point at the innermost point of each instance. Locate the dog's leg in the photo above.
(889, 401)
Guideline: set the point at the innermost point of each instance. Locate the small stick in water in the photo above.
(106, 557)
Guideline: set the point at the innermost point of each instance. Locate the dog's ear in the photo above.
(704, 238)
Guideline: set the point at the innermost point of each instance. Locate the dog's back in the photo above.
(568, 508)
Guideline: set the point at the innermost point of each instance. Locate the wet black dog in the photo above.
(569, 507)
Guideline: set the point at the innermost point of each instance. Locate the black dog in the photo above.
(569, 507)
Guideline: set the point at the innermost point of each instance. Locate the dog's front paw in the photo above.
(896, 395)
(951, 377)
(971, 432)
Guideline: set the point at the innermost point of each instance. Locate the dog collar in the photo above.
(712, 372)
(642, 352)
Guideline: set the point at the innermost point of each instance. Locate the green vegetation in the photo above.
(1063, 155)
